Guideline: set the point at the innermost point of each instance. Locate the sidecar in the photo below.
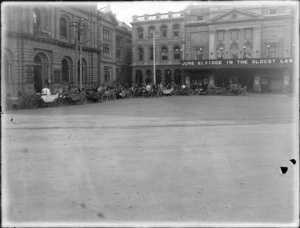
(74, 98)
(44, 100)
(168, 92)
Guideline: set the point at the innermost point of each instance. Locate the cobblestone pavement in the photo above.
(197, 160)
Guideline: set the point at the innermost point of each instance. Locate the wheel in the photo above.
(33, 103)
(104, 98)
(59, 101)
(241, 92)
(189, 92)
(197, 92)
(83, 100)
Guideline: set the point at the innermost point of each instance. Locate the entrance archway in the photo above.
(66, 69)
(158, 76)
(40, 71)
(177, 76)
(138, 77)
(148, 76)
(168, 78)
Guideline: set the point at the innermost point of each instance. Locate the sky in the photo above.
(125, 10)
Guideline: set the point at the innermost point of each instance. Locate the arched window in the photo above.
(234, 51)
(163, 31)
(199, 54)
(176, 30)
(140, 32)
(63, 27)
(220, 52)
(36, 20)
(176, 53)
(151, 53)
(151, 30)
(164, 53)
(140, 54)
(247, 50)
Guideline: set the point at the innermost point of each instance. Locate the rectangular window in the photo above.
(106, 51)
(106, 34)
(272, 49)
(118, 41)
(118, 55)
(152, 17)
(220, 35)
(176, 15)
(151, 54)
(234, 35)
(107, 74)
(199, 18)
(141, 18)
(248, 34)
(273, 11)
(164, 16)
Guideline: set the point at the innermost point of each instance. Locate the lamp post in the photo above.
(221, 57)
(81, 27)
(244, 51)
(268, 48)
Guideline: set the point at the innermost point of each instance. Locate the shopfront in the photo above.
(258, 75)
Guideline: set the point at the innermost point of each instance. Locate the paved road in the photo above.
(196, 160)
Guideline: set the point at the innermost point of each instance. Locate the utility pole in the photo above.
(154, 79)
(81, 27)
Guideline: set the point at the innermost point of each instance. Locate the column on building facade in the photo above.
(212, 48)
(227, 44)
(257, 42)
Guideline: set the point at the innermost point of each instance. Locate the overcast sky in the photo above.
(125, 10)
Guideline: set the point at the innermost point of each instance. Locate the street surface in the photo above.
(198, 160)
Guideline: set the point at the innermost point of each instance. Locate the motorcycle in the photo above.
(44, 100)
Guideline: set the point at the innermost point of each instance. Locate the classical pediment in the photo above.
(235, 15)
(109, 16)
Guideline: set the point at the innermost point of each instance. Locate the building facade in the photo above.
(40, 46)
(58, 45)
(168, 30)
(253, 45)
(115, 42)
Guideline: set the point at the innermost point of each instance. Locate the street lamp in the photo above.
(268, 48)
(81, 27)
(244, 51)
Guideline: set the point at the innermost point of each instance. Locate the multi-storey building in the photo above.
(167, 31)
(40, 43)
(115, 41)
(60, 45)
(253, 45)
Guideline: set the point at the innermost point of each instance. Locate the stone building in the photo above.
(40, 43)
(59, 45)
(169, 38)
(252, 44)
(115, 42)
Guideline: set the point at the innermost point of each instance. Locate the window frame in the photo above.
(164, 54)
(140, 52)
(66, 28)
(106, 51)
(106, 34)
(176, 30)
(107, 74)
